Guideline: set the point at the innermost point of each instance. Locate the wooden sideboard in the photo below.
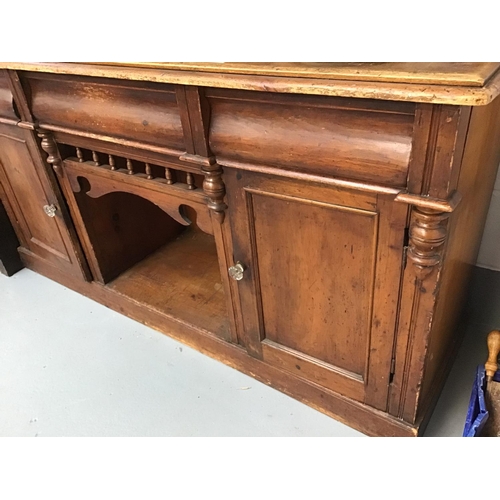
(312, 225)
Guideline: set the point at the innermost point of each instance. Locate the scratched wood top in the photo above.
(470, 74)
(444, 83)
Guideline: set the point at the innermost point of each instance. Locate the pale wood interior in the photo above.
(181, 279)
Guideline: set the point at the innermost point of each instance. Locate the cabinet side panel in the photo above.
(477, 177)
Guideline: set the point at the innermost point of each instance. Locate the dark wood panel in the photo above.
(368, 145)
(123, 229)
(319, 297)
(30, 197)
(319, 305)
(29, 190)
(439, 243)
(148, 114)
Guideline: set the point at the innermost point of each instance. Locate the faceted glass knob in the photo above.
(50, 210)
(236, 271)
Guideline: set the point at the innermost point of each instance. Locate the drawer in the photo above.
(6, 99)
(142, 112)
(356, 139)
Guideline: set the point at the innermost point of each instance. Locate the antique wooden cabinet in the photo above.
(312, 225)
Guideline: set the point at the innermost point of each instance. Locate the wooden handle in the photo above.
(491, 365)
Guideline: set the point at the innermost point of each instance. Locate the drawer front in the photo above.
(141, 112)
(355, 139)
(6, 99)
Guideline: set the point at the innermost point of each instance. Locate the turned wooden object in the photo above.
(491, 365)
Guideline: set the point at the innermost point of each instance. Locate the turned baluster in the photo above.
(168, 176)
(427, 237)
(148, 171)
(95, 158)
(190, 181)
(79, 155)
(214, 188)
(130, 167)
(112, 162)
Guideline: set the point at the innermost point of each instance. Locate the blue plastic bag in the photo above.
(477, 414)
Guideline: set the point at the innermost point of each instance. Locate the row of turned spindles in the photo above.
(130, 168)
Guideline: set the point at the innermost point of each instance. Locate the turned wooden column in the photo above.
(427, 235)
(428, 232)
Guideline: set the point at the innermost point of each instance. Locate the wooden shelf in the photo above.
(181, 279)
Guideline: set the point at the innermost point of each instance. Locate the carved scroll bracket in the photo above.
(427, 236)
(50, 147)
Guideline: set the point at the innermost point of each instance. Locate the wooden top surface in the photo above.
(469, 74)
(443, 83)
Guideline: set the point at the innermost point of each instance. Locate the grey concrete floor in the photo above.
(71, 367)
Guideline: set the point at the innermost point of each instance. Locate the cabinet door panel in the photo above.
(319, 297)
(28, 189)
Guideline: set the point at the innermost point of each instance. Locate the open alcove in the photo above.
(150, 238)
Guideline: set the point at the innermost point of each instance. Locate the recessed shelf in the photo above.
(181, 279)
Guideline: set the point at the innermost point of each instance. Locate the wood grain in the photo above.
(478, 165)
(468, 73)
(296, 311)
(123, 229)
(181, 280)
(29, 189)
(313, 138)
(356, 215)
(121, 109)
(170, 198)
(478, 170)
(465, 95)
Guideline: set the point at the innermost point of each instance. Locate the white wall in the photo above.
(489, 253)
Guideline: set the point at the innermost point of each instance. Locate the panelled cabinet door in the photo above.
(321, 278)
(45, 229)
